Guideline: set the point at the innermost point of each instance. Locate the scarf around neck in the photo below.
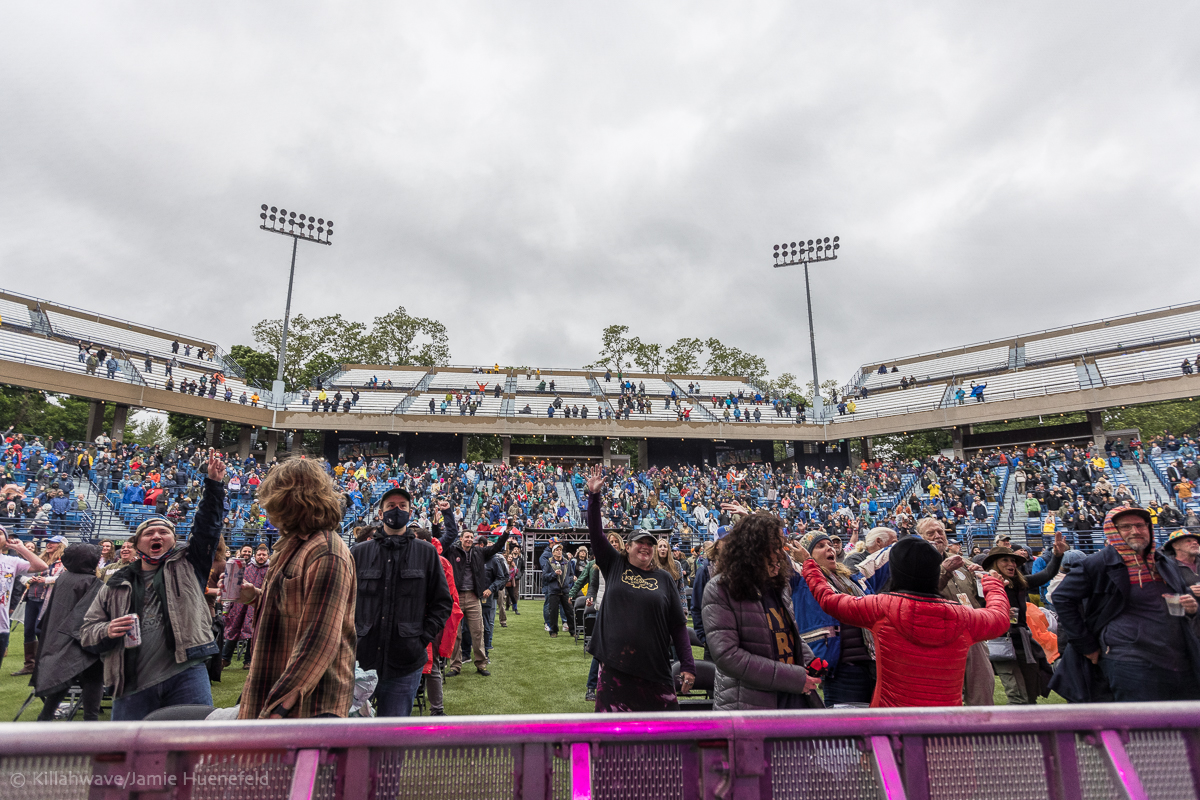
(1140, 569)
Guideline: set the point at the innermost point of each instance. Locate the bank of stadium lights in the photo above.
(809, 252)
(297, 226)
(804, 253)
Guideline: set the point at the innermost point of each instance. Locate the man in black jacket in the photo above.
(470, 576)
(1123, 640)
(402, 604)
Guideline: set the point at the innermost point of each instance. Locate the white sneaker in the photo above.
(566, 628)
(547, 629)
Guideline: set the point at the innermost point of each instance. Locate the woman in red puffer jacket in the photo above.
(921, 639)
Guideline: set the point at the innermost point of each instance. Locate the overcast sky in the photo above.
(528, 173)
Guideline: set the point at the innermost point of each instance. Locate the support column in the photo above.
(643, 455)
(606, 451)
(210, 432)
(1096, 421)
(465, 439)
(120, 417)
(95, 423)
(244, 442)
(956, 434)
(868, 449)
(272, 446)
(505, 449)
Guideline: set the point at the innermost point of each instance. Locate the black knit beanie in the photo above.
(915, 565)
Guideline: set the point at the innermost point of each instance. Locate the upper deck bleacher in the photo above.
(1068, 343)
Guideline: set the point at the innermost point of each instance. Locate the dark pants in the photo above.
(32, 609)
(853, 682)
(1141, 682)
(91, 682)
(556, 605)
(394, 696)
(510, 598)
(190, 687)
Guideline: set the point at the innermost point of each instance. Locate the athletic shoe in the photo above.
(485, 673)
(503, 624)
(590, 696)
(450, 673)
(566, 628)
(547, 631)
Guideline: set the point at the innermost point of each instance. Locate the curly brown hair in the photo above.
(300, 499)
(755, 540)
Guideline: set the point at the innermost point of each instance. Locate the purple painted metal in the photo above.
(104, 737)
(581, 771)
(886, 769)
(1124, 774)
(305, 775)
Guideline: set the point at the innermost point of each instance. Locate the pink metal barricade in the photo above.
(1062, 752)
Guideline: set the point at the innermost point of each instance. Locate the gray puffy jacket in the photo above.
(741, 643)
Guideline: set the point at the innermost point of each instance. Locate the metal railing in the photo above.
(1063, 752)
(124, 374)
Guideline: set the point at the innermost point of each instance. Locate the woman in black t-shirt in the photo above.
(640, 618)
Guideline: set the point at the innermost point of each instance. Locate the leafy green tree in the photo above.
(45, 414)
(613, 346)
(726, 360)
(316, 344)
(829, 392)
(647, 357)
(398, 338)
(151, 433)
(260, 367)
(683, 357)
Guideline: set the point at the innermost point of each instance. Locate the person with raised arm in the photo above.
(640, 619)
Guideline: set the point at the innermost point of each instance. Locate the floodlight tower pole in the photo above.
(818, 401)
(287, 311)
(806, 252)
(301, 226)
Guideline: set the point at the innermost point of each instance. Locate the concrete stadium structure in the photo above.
(1130, 360)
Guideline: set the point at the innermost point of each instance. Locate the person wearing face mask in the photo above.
(403, 602)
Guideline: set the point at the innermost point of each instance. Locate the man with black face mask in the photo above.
(403, 602)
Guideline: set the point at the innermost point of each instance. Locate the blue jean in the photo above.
(1140, 682)
(394, 696)
(593, 674)
(562, 609)
(190, 687)
(3, 644)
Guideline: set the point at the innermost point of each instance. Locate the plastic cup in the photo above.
(1174, 604)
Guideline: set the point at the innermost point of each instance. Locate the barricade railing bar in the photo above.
(1134, 751)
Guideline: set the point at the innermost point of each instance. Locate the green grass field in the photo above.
(531, 674)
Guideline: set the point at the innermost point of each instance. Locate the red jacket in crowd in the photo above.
(921, 642)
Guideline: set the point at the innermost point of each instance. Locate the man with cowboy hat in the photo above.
(1184, 546)
(1024, 669)
(1129, 620)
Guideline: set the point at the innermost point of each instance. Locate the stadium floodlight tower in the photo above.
(297, 226)
(809, 252)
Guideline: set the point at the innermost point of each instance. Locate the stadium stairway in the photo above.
(1148, 485)
(567, 494)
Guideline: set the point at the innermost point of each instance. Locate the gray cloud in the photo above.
(528, 173)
